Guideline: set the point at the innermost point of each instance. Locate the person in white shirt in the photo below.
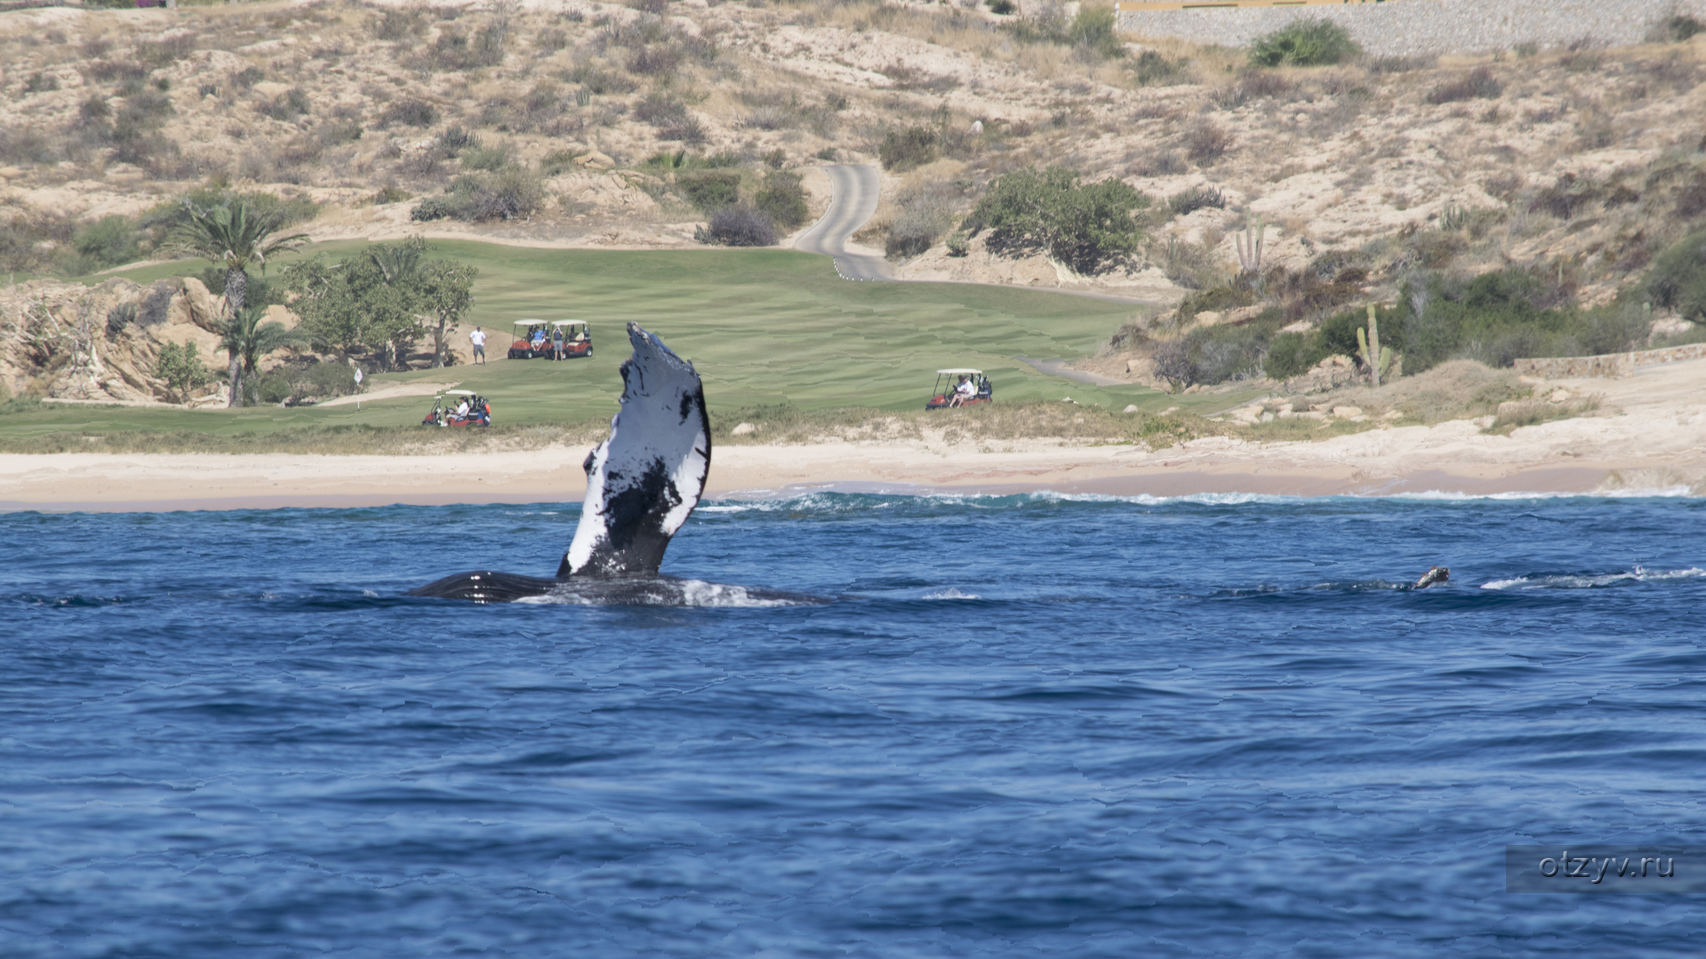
(478, 338)
(462, 409)
(965, 390)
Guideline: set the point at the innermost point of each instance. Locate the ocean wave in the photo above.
(1592, 580)
(830, 502)
(666, 592)
(1664, 492)
(951, 593)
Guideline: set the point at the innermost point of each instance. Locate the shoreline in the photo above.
(93, 482)
(1651, 438)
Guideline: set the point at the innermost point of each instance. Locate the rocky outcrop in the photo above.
(70, 341)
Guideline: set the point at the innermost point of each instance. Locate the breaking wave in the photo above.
(1593, 580)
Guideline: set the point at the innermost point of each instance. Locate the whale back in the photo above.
(644, 480)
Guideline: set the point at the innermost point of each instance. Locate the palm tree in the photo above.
(248, 339)
(234, 233)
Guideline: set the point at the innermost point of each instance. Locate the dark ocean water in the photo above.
(1027, 726)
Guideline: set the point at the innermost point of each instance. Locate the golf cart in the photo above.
(445, 408)
(947, 398)
(532, 338)
(577, 338)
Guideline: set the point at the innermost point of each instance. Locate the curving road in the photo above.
(857, 187)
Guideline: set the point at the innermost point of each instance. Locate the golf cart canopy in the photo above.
(958, 372)
(458, 392)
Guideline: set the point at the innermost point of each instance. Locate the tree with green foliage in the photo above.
(235, 233)
(1084, 226)
(376, 300)
(1677, 280)
(447, 294)
(1306, 42)
(182, 369)
(252, 339)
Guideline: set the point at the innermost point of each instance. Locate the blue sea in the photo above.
(1024, 726)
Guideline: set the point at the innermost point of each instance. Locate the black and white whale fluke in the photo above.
(641, 485)
(1435, 574)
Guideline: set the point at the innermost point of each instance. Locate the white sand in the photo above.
(1653, 437)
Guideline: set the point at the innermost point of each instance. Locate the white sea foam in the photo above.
(951, 593)
(1638, 575)
(1667, 492)
(831, 501)
(668, 592)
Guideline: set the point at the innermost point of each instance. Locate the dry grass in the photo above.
(1067, 423)
(331, 441)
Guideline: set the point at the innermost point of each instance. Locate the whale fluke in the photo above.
(641, 484)
(645, 479)
(1435, 574)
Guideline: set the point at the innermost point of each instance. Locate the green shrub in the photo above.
(1196, 198)
(1478, 83)
(182, 370)
(1094, 31)
(294, 385)
(1307, 42)
(1293, 354)
(1153, 69)
(1217, 299)
(491, 159)
(409, 111)
(511, 193)
(909, 147)
(958, 243)
(1681, 29)
(738, 225)
(1677, 280)
(109, 241)
(783, 200)
(709, 190)
(1084, 226)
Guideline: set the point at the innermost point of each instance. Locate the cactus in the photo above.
(1250, 247)
(1374, 356)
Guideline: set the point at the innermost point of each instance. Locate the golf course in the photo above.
(764, 328)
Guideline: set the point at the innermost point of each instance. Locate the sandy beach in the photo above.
(1651, 435)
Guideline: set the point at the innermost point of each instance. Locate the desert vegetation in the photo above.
(1284, 186)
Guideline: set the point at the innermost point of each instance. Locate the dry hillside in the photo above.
(1583, 162)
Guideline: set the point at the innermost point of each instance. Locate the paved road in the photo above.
(857, 186)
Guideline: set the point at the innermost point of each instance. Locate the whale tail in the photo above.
(642, 482)
(1435, 574)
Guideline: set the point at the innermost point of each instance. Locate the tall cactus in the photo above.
(1250, 247)
(1373, 355)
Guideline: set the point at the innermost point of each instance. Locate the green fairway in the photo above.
(762, 327)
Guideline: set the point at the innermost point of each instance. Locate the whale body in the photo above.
(642, 484)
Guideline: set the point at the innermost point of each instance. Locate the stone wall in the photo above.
(1609, 365)
(1424, 27)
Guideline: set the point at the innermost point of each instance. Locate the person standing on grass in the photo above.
(478, 338)
(556, 342)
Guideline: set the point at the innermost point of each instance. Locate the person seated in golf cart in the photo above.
(459, 408)
(959, 387)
